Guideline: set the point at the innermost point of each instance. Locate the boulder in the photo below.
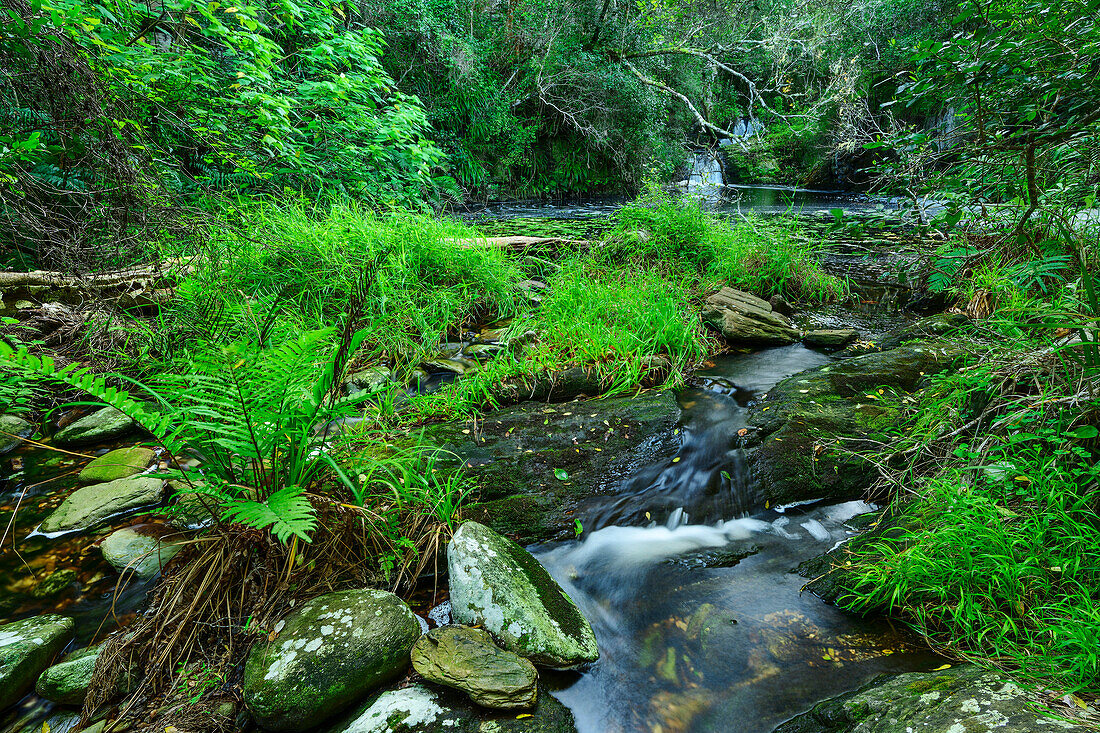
(12, 431)
(963, 699)
(143, 549)
(117, 464)
(106, 424)
(26, 648)
(830, 338)
(743, 318)
(422, 708)
(93, 505)
(781, 305)
(66, 683)
(468, 660)
(801, 419)
(325, 656)
(497, 584)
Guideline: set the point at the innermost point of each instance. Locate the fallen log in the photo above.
(515, 242)
(139, 286)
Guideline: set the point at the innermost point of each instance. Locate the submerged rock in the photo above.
(26, 648)
(142, 549)
(742, 317)
(12, 431)
(963, 699)
(66, 682)
(117, 464)
(92, 505)
(497, 584)
(55, 583)
(468, 660)
(325, 656)
(830, 338)
(802, 418)
(106, 424)
(422, 708)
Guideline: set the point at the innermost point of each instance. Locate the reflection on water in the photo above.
(701, 621)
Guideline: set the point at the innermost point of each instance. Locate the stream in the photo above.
(689, 584)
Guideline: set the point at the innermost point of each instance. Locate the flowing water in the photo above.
(689, 584)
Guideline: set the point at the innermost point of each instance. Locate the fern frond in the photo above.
(287, 512)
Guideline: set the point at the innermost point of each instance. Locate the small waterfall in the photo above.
(704, 169)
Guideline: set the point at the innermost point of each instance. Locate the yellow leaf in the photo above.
(676, 459)
(940, 669)
(521, 716)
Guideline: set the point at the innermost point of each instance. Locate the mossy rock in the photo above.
(497, 584)
(963, 699)
(12, 431)
(117, 464)
(100, 426)
(811, 425)
(325, 656)
(26, 648)
(467, 659)
(66, 683)
(93, 505)
(425, 708)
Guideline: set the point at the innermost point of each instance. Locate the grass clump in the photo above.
(1000, 562)
(764, 256)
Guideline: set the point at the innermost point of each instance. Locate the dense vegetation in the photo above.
(282, 167)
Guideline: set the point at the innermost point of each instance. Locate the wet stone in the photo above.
(141, 549)
(93, 505)
(117, 464)
(830, 338)
(12, 430)
(106, 424)
(743, 318)
(467, 659)
(66, 682)
(26, 648)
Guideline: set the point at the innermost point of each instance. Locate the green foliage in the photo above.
(764, 257)
(1002, 560)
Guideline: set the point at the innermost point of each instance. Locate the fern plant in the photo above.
(247, 412)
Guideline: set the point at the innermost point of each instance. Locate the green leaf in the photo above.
(561, 474)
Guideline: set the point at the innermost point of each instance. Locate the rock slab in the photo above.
(26, 648)
(830, 338)
(467, 659)
(743, 318)
(106, 424)
(12, 431)
(117, 464)
(325, 656)
(92, 505)
(497, 584)
(963, 699)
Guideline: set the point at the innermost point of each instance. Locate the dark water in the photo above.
(728, 199)
(689, 586)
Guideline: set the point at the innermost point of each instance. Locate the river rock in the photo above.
(26, 648)
(106, 424)
(468, 660)
(743, 318)
(497, 584)
(802, 417)
(142, 549)
(372, 379)
(519, 453)
(55, 583)
(963, 699)
(117, 464)
(92, 505)
(325, 656)
(12, 431)
(423, 708)
(66, 683)
(830, 338)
